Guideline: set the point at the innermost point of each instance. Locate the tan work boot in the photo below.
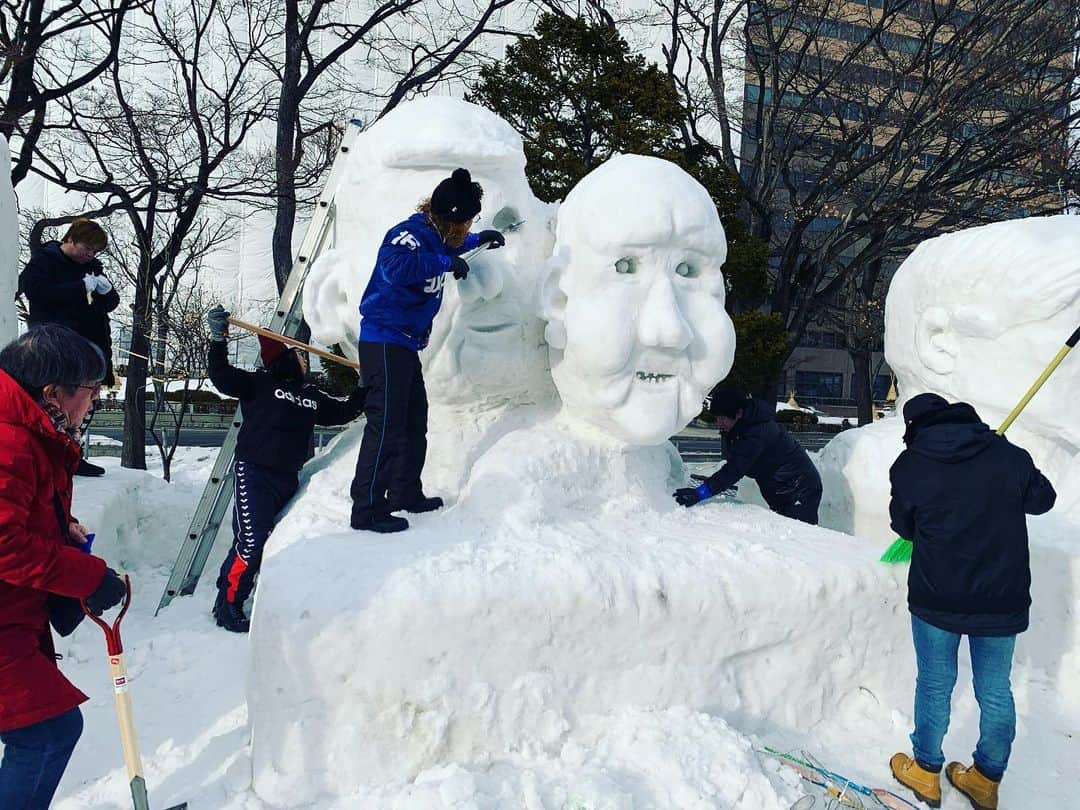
(925, 784)
(981, 790)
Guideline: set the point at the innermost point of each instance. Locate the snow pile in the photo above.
(465, 642)
(974, 316)
(9, 249)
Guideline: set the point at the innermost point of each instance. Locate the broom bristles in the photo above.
(898, 552)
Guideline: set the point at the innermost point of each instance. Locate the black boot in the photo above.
(88, 469)
(230, 616)
(421, 504)
(384, 524)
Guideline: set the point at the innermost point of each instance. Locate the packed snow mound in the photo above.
(974, 316)
(634, 300)
(486, 345)
(483, 636)
(9, 249)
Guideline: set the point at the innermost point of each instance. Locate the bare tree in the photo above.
(165, 133)
(48, 51)
(408, 46)
(860, 129)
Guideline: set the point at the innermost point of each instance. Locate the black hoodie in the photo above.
(55, 293)
(961, 494)
(758, 447)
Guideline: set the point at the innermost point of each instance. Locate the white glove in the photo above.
(104, 286)
(90, 282)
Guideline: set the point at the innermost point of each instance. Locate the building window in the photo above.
(819, 384)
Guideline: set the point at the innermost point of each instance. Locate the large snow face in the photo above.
(978, 314)
(635, 300)
(9, 249)
(486, 342)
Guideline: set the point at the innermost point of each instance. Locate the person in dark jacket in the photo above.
(755, 445)
(397, 311)
(48, 378)
(960, 494)
(275, 439)
(64, 283)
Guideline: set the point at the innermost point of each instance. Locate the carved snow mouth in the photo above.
(489, 328)
(650, 377)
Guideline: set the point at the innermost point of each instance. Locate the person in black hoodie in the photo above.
(960, 494)
(755, 445)
(64, 283)
(280, 414)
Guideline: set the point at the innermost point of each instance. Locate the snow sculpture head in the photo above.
(977, 315)
(486, 342)
(634, 300)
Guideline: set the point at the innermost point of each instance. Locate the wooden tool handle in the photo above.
(288, 341)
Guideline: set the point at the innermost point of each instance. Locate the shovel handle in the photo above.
(112, 633)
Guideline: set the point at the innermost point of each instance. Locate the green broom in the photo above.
(900, 550)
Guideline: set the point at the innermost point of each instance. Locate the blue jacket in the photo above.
(405, 290)
(960, 493)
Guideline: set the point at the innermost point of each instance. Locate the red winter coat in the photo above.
(36, 464)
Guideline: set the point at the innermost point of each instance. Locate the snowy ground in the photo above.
(189, 687)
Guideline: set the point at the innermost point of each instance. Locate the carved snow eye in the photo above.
(625, 266)
(686, 270)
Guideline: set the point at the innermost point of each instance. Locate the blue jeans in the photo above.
(991, 663)
(34, 760)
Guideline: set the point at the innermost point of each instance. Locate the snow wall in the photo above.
(9, 248)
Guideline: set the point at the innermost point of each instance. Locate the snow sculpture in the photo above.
(486, 343)
(9, 249)
(634, 300)
(974, 316)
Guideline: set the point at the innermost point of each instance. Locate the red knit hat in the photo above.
(270, 350)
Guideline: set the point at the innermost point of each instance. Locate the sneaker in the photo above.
(981, 790)
(230, 616)
(384, 524)
(924, 783)
(88, 469)
(421, 504)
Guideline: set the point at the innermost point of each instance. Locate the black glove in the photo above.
(493, 239)
(217, 320)
(688, 496)
(459, 267)
(111, 590)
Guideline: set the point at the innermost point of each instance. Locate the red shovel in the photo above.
(118, 670)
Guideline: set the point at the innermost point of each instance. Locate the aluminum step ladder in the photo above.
(287, 320)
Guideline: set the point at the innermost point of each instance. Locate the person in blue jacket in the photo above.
(397, 310)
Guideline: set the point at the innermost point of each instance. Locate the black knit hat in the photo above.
(725, 400)
(919, 406)
(457, 198)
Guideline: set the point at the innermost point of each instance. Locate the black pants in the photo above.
(394, 446)
(801, 503)
(261, 493)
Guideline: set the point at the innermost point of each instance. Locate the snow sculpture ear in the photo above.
(553, 302)
(935, 343)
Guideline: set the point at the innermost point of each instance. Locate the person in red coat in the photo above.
(48, 379)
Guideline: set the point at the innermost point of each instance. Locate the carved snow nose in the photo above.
(660, 322)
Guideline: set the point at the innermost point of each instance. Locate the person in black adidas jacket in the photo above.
(756, 446)
(960, 494)
(280, 414)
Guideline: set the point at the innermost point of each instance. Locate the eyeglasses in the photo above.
(95, 389)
